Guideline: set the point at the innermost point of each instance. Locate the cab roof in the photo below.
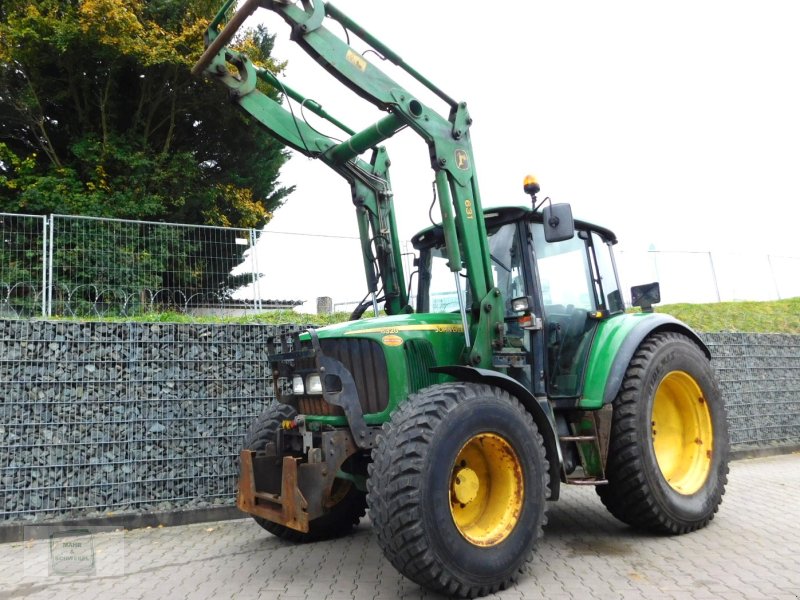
(495, 217)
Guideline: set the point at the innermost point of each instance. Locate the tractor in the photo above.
(515, 368)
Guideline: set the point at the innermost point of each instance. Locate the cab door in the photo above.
(567, 285)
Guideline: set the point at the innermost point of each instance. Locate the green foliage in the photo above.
(100, 116)
(775, 316)
(274, 317)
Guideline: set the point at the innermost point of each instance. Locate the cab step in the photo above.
(586, 481)
(577, 438)
(590, 434)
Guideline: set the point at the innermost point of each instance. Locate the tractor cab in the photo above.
(555, 294)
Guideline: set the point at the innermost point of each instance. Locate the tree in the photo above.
(99, 115)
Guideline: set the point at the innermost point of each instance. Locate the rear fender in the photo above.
(540, 410)
(646, 327)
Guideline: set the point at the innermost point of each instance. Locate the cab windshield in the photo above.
(579, 272)
(438, 291)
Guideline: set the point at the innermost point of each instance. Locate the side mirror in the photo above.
(646, 295)
(558, 223)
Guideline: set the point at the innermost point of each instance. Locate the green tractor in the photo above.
(514, 370)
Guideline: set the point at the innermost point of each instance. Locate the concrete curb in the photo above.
(16, 532)
(743, 453)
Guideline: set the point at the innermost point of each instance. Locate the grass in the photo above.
(774, 316)
(275, 317)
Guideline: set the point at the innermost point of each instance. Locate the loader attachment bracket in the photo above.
(291, 490)
(288, 508)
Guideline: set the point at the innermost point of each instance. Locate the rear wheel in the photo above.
(668, 454)
(457, 488)
(349, 504)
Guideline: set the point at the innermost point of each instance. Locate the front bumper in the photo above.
(292, 490)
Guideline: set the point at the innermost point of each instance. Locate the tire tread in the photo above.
(628, 495)
(396, 508)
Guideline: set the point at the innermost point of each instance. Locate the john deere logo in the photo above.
(462, 160)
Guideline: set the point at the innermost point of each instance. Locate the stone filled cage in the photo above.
(99, 417)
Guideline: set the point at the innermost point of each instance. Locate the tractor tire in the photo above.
(457, 489)
(341, 518)
(668, 453)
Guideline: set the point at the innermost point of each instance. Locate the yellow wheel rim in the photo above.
(683, 437)
(486, 490)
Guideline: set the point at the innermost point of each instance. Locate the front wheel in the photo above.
(457, 488)
(668, 453)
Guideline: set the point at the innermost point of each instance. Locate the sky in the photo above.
(675, 124)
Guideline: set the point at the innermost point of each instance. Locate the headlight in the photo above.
(313, 384)
(520, 304)
(297, 385)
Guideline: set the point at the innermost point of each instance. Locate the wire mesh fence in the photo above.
(701, 277)
(84, 266)
(116, 267)
(23, 256)
(72, 266)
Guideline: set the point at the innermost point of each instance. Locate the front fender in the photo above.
(540, 410)
(614, 345)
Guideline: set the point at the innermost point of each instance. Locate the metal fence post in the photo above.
(654, 252)
(50, 253)
(44, 265)
(254, 269)
(714, 275)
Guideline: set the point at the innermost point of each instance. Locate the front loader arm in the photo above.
(369, 182)
(448, 141)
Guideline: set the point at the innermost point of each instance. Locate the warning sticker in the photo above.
(356, 60)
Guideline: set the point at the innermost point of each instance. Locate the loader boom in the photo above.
(448, 140)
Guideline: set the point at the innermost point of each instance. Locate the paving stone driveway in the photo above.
(751, 550)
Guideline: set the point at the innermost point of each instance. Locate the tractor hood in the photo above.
(393, 330)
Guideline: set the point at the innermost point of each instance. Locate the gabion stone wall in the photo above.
(760, 380)
(98, 417)
(141, 417)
